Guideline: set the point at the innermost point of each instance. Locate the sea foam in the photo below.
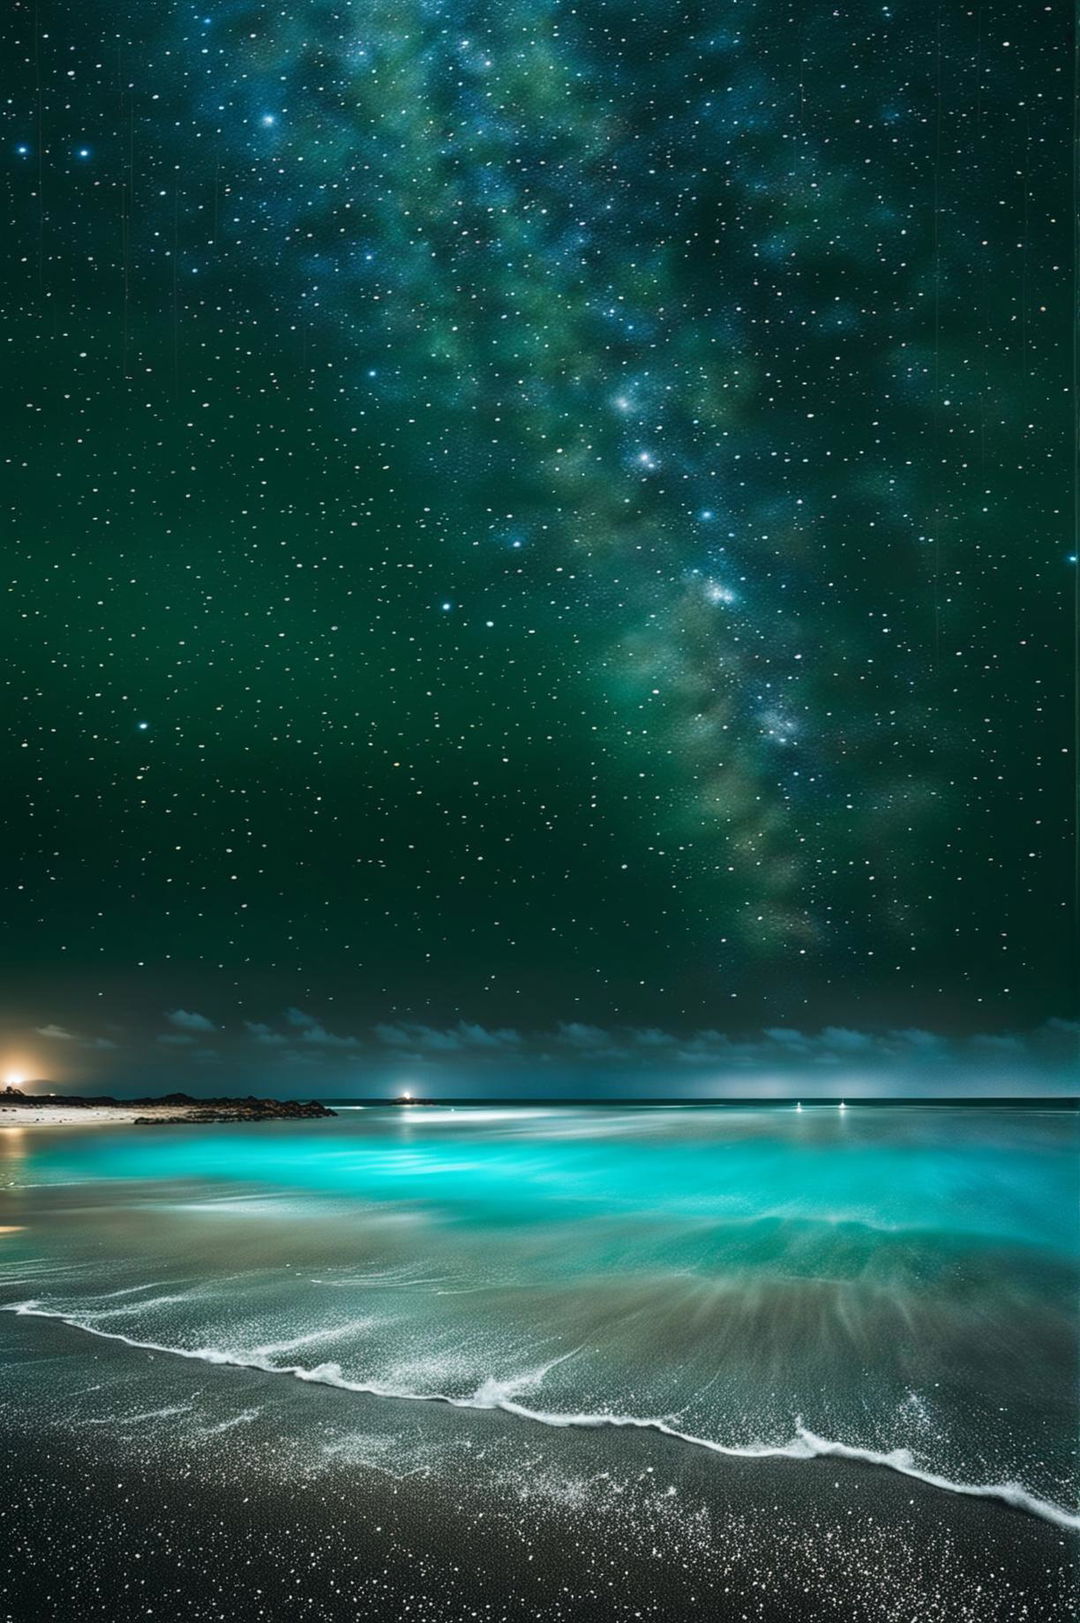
(500, 1394)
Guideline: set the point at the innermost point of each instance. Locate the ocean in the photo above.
(543, 1361)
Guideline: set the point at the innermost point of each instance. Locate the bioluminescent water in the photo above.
(892, 1287)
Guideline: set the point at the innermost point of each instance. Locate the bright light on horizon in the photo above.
(15, 1079)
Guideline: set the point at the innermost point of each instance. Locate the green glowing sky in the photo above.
(534, 516)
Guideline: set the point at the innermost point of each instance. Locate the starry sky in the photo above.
(527, 520)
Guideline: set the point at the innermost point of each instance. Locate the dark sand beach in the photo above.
(483, 1516)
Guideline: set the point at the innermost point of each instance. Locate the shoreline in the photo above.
(246, 1376)
(456, 1518)
(803, 1446)
(99, 1115)
(70, 1116)
(176, 1109)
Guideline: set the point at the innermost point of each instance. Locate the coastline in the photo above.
(464, 1515)
(73, 1116)
(239, 1384)
(176, 1109)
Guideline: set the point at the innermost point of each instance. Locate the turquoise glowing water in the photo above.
(872, 1280)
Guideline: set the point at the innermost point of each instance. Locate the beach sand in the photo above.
(158, 1493)
(65, 1115)
(76, 1116)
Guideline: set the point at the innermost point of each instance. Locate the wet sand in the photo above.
(239, 1512)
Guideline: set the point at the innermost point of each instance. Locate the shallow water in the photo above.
(897, 1285)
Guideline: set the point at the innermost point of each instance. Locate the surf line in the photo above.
(500, 1395)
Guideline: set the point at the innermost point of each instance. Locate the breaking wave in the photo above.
(501, 1394)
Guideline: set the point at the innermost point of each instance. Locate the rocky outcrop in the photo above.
(218, 1110)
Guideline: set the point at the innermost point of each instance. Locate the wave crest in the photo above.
(494, 1393)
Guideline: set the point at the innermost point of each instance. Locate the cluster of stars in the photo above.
(578, 438)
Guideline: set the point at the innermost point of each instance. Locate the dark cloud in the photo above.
(580, 1059)
(188, 1021)
(455, 1040)
(315, 1034)
(265, 1035)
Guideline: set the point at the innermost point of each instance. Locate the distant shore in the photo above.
(18, 1109)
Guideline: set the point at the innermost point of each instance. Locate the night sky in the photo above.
(533, 528)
